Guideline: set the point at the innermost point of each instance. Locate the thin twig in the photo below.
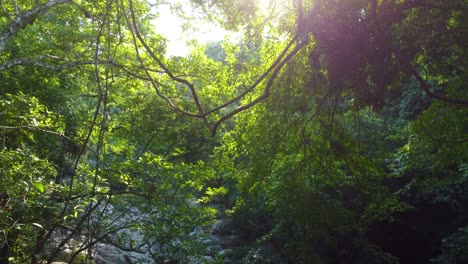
(34, 128)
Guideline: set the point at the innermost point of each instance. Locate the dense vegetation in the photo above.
(330, 131)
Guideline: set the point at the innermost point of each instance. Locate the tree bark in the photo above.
(25, 19)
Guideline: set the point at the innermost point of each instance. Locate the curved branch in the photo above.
(165, 69)
(405, 62)
(266, 92)
(275, 67)
(423, 84)
(257, 82)
(25, 19)
(36, 62)
(154, 83)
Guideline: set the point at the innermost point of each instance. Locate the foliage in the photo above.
(27, 198)
(454, 248)
(360, 139)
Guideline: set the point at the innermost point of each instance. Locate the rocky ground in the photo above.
(223, 242)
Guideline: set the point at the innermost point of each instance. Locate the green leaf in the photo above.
(39, 186)
(178, 152)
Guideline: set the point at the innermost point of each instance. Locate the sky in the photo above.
(170, 25)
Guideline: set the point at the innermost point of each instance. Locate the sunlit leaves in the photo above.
(39, 186)
(312, 167)
(213, 193)
(28, 186)
(26, 111)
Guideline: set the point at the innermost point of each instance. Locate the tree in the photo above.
(73, 164)
(96, 119)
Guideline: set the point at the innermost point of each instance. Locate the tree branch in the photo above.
(266, 92)
(37, 62)
(36, 129)
(405, 62)
(154, 83)
(257, 82)
(185, 82)
(27, 18)
(422, 83)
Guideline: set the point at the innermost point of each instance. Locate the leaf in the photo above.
(38, 225)
(178, 152)
(39, 186)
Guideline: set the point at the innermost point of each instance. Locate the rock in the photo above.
(223, 227)
(199, 260)
(225, 252)
(226, 240)
(265, 253)
(213, 250)
(65, 255)
(197, 231)
(109, 254)
(209, 259)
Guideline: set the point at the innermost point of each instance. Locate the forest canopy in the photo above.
(317, 131)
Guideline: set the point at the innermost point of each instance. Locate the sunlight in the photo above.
(171, 25)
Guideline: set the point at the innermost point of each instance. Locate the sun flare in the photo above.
(173, 27)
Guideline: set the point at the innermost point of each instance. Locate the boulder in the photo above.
(223, 227)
